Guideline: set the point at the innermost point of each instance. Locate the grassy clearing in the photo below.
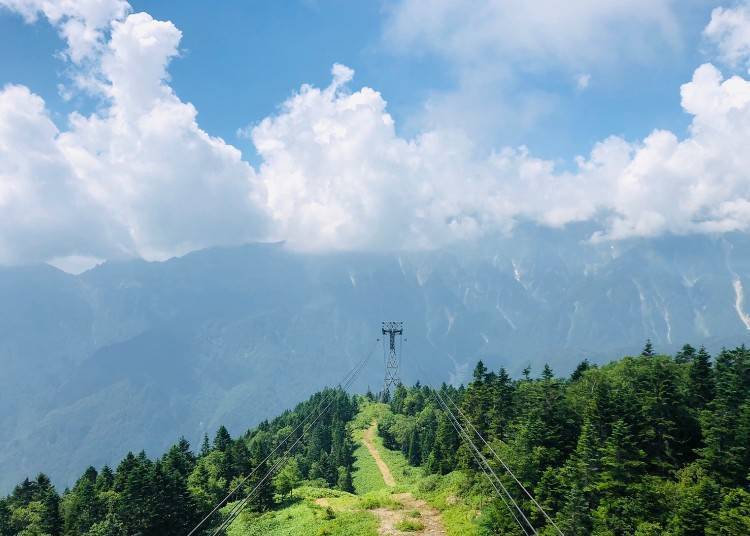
(326, 512)
(454, 494)
(368, 412)
(338, 514)
(366, 477)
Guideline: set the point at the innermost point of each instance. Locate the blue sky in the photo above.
(241, 59)
(152, 129)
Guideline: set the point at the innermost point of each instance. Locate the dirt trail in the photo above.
(369, 440)
(389, 518)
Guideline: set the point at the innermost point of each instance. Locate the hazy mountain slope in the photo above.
(134, 354)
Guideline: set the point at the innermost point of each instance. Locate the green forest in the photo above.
(646, 445)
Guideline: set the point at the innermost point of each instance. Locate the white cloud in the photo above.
(140, 171)
(44, 210)
(139, 177)
(581, 33)
(582, 81)
(338, 175)
(729, 30)
(82, 23)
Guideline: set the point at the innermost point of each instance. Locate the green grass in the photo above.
(410, 525)
(366, 476)
(404, 474)
(368, 412)
(379, 499)
(346, 514)
(342, 516)
(452, 494)
(455, 498)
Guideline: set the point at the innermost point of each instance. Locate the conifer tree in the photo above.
(414, 454)
(222, 440)
(701, 379)
(685, 355)
(580, 369)
(205, 446)
(344, 482)
(5, 519)
(80, 507)
(622, 461)
(648, 349)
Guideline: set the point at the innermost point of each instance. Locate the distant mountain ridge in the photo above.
(134, 354)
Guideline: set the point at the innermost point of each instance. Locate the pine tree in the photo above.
(622, 462)
(648, 349)
(701, 379)
(344, 482)
(262, 500)
(222, 440)
(414, 454)
(547, 374)
(81, 507)
(526, 372)
(685, 355)
(205, 446)
(725, 455)
(582, 367)
(136, 506)
(51, 522)
(105, 479)
(477, 403)
(5, 519)
(501, 393)
(586, 462)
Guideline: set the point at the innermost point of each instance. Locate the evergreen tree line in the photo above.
(647, 445)
(167, 496)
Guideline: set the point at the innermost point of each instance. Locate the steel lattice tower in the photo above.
(392, 353)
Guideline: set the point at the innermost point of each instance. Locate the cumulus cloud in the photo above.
(140, 177)
(45, 211)
(338, 175)
(729, 30)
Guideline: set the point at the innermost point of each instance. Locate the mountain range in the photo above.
(132, 354)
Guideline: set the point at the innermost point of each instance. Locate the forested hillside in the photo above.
(647, 445)
(169, 495)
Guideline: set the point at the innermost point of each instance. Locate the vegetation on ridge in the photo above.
(645, 445)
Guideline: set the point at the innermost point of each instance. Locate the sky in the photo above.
(151, 129)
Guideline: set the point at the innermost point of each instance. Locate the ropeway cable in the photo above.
(467, 438)
(505, 466)
(347, 380)
(484, 463)
(282, 460)
(486, 473)
(237, 508)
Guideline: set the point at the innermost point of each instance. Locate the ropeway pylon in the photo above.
(392, 353)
